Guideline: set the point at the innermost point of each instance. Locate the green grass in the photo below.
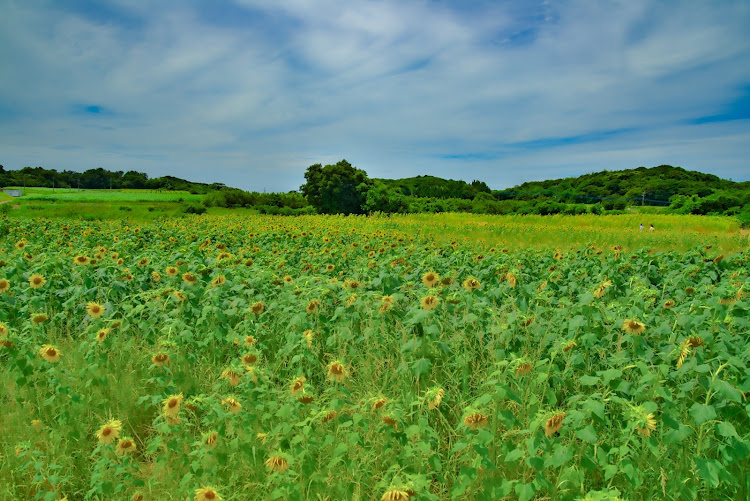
(107, 196)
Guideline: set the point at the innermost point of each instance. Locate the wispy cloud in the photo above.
(251, 92)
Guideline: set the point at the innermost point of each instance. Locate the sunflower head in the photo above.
(336, 371)
(95, 310)
(36, 280)
(553, 424)
(471, 284)
(109, 432)
(160, 359)
(475, 420)
(125, 446)
(49, 353)
(206, 494)
(633, 326)
(430, 279)
(171, 405)
(429, 302)
(4, 285)
(277, 463)
(101, 335)
(257, 308)
(232, 404)
(171, 271)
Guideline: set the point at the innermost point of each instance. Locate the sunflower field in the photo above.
(334, 358)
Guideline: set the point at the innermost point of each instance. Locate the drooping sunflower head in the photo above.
(39, 318)
(219, 281)
(171, 405)
(101, 335)
(471, 284)
(475, 420)
(143, 261)
(249, 358)
(232, 404)
(429, 302)
(297, 386)
(308, 335)
(189, 278)
(553, 424)
(277, 463)
(434, 398)
(312, 306)
(210, 439)
(49, 353)
(36, 280)
(395, 494)
(125, 446)
(94, 309)
(336, 371)
(257, 308)
(232, 376)
(668, 304)
(160, 359)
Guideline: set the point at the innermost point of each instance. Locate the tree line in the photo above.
(98, 178)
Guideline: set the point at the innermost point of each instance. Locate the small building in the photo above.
(13, 193)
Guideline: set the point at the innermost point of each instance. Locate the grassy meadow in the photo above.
(416, 357)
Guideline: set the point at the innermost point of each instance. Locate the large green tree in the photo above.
(336, 189)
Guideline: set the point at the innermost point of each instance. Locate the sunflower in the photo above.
(475, 420)
(553, 424)
(429, 302)
(81, 260)
(232, 376)
(261, 437)
(39, 318)
(633, 327)
(232, 404)
(171, 271)
(305, 399)
(206, 494)
(4, 285)
(249, 262)
(434, 398)
(277, 463)
(668, 304)
(95, 310)
(599, 292)
(211, 439)
(101, 335)
(523, 369)
(336, 371)
(312, 306)
(257, 308)
(160, 359)
(250, 340)
(189, 278)
(330, 267)
(179, 295)
(389, 420)
(138, 496)
(249, 358)
(297, 386)
(21, 244)
(385, 304)
(143, 262)
(511, 279)
(308, 336)
(171, 405)
(379, 403)
(125, 446)
(395, 495)
(109, 432)
(471, 284)
(430, 279)
(218, 281)
(49, 353)
(156, 276)
(648, 422)
(36, 280)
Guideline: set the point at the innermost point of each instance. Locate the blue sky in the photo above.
(251, 92)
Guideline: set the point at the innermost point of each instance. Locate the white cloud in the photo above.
(391, 86)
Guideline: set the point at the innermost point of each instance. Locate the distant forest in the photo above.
(342, 188)
(99, 178)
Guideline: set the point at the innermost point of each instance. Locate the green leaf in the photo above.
(561, 455)
(728, 391)
(709, 470)
(589, 380)
(702, 413)
(587, 434)
(421, 366)
(525, 491)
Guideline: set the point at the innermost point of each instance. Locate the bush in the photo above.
(195, 209)
(744, 219)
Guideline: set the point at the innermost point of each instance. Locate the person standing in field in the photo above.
(651, 227)
(641, 226)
